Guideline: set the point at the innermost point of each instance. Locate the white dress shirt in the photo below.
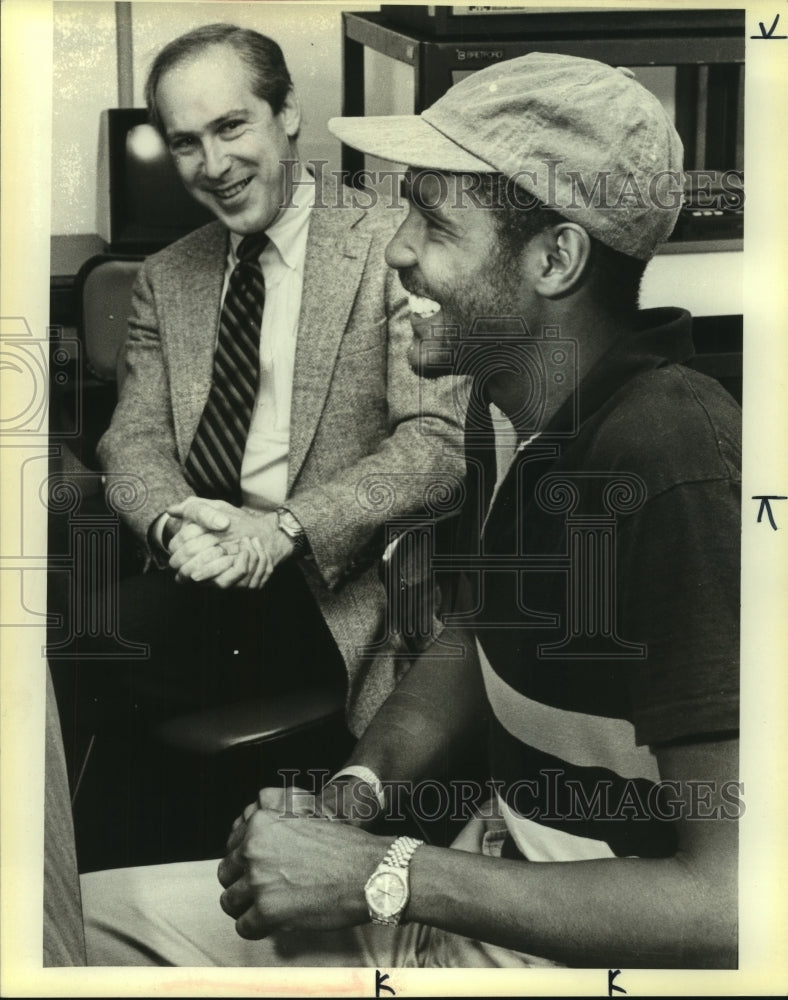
(264, 464)
(265, 458)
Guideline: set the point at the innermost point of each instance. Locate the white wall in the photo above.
(84, 82)
(707, 284)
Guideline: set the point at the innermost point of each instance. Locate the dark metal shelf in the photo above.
(688, 40)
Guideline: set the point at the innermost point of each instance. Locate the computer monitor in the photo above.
(149, 207)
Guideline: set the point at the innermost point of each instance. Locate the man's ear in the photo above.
(291, 114)
(563, 255)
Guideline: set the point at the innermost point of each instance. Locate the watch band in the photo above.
(401, 851)
(367, 775)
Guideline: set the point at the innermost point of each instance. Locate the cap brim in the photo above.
(406, 139)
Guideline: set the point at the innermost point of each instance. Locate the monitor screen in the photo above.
(149, 207)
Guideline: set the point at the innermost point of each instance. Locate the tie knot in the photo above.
(250, 247)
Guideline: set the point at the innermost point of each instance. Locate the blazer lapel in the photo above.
(192, 330)
(335, 257)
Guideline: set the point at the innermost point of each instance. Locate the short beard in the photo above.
(492, 293)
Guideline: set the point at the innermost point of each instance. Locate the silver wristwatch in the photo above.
(388, 887)
(291, 526)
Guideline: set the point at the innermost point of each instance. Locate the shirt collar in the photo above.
(661, 336)
(288, 233)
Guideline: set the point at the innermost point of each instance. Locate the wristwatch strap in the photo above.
(401, 851)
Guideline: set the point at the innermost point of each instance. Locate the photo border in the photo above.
(24, 284)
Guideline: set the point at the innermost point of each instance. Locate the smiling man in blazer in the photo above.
(279, 573)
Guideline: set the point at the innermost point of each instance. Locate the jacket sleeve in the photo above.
(415, 468)
(140, 442)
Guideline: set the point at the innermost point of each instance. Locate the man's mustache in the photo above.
(411, 283)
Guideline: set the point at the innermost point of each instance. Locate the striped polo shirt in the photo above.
(606, 609)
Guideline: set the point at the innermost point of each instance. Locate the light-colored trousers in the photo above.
(170, 915)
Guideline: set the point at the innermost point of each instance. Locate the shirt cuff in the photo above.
(365, 774)
(155, 539)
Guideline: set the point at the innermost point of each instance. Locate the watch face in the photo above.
(387, 893)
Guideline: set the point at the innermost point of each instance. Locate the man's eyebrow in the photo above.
(410, 192)
(233, 113)
(215, 123)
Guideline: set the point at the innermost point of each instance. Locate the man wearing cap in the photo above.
(598, 566)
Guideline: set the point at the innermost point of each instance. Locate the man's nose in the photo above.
(216, 160)
(399, 252)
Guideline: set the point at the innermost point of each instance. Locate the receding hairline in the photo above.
(269, 79)
(192, 56)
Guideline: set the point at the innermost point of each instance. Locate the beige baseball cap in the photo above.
(583, 137)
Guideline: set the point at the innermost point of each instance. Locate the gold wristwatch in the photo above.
(388, 887)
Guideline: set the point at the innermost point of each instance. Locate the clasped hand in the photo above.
(287, 868)
(225, 546)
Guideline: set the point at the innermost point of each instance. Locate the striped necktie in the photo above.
(213, 466)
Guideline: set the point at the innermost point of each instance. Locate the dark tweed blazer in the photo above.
(369, 440)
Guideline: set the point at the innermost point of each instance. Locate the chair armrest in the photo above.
(252, 723)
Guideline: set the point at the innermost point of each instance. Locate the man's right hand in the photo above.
(208, 555)
(348, 800)
(286, 801)
(226, 546)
